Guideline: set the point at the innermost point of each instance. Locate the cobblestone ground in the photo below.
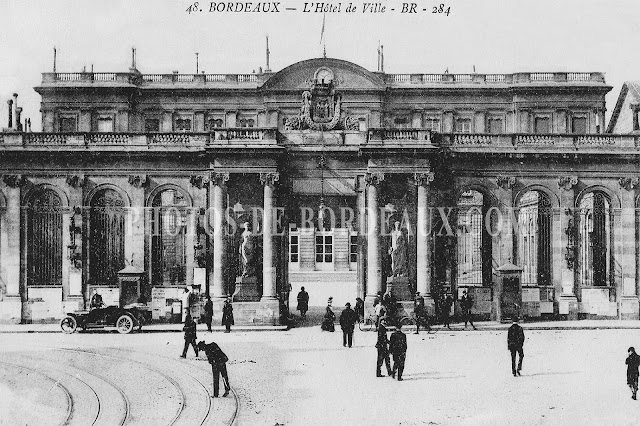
(305, 376)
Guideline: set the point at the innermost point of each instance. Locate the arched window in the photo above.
(534, 238)
(168, 229)
(595, 240)
(474, 242)
(106, 237)
(44, 237)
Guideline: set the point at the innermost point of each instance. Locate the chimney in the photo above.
(10, 103)
(15, 112)
(18, 122)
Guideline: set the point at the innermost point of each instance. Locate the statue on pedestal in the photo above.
(398, 252)
(248, 253)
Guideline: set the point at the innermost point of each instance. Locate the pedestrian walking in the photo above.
(359, 308)
(420, 313)
(348, 319)
(447, 302)
(186, 303)
(189, 336)
(466, 303)
(398, 349)
(390, 303)
(515, 341)
(382, 345)
(218, 361)
(303, 303)
(227, 315)
(329, 318)
(380, 313)
(208, 313)
(633, 361)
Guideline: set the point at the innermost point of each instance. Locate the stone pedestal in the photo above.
(10, 309)
(130, 283)
(264, 313)
(629, 307)
(568, 307)
(400, 288)
(246, 290)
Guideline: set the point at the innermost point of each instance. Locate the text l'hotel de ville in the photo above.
(316, 7)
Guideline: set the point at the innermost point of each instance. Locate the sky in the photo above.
(495, 36)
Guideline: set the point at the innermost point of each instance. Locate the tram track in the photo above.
(56, 383)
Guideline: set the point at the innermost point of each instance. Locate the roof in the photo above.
(629, 87)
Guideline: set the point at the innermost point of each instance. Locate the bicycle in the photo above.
(368, 323)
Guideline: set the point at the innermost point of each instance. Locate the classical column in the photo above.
(268, 267)
(216, 220)
(625, 253)
(504, 240)
(135, 237)
(374, 268)
(564, 248)
(423, 251)
(361, 201)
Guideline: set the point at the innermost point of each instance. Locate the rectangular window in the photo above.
(432, 124)
(183, 125)
(495, 126)
(105, 124)
(542, 125)
(353, 249)
(68, 124)
(463, 125)
(152, 125)
(324, 249)
(293, 248)
(579, 125)
(402, 122)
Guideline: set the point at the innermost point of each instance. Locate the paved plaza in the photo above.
(305, 376)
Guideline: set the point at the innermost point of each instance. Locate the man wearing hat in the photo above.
(515, 341)
(348, 320)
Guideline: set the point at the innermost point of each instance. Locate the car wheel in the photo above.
(124, 324)
(68, 325)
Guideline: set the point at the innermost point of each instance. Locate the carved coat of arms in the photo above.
(321, 107)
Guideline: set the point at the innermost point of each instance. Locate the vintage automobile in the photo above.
(124, 319)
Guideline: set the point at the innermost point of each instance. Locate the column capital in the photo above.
(137, 181)
(14, 181)
(567, 182)
(269, 178)
(76, 181)
(505, 182)
(199, 181)
(374, 178)
(423, 178)
(629, 183)
(218, 179)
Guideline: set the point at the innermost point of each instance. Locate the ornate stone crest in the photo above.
(567, 182)
(505, 182)
(321, 106)
(629, 183)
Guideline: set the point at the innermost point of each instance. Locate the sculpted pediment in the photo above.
(345, 76)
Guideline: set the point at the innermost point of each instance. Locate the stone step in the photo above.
(322, 276)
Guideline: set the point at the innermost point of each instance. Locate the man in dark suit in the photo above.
(466, 303)
(633, 361)
(208, 313)
(218, 361)
(96, 300)
(189, 336)
(515, 341)
(382, 344)
(348, 320)
(398, 348)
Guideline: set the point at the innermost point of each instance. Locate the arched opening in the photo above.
(44, 236)
(168, 238)
(473, 240)
(595, 235)
(534, 238)
(106, 237)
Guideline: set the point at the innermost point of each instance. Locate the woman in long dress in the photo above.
(329, 318)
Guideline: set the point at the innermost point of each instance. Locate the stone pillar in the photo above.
(503, 243)
(10, 249)
(634, 111)
(268, 266)
(15, 112)
(480, 121)
(216, 221)
(361, 201)
(423, 236)
(135, 236)
(447, 122)
(374, 268)
(564, 248)
(10, 103)
(625, 255)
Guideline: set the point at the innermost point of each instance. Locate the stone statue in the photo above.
(398, 252)
(248, 252)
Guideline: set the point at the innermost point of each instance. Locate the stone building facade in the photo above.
(161, 172)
